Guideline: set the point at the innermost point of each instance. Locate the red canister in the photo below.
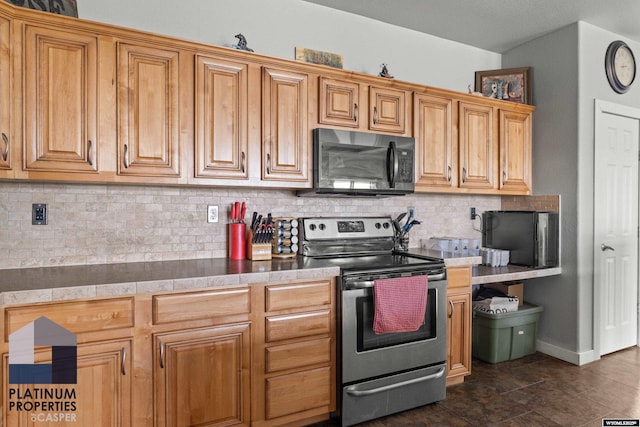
(237, 241)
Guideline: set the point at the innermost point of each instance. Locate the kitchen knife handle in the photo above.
(5, 153)
(161, 354)
(126, 156)
(355, 112)
(89, 147)
(123, 361)
(375, 115)
(268, 164)
(242, 162)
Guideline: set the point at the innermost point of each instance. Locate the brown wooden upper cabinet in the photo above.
(478, 150)
(60, 99)
(515, 151)
(221, 118)
(285, 128)
(436, 143)
(351, 104)
(148, 111)
(6, 136)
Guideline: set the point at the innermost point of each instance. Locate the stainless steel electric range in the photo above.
(379, 374)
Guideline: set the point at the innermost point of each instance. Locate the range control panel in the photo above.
(346, 228)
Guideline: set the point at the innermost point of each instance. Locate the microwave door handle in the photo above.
(392, 164)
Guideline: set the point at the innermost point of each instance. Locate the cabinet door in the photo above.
(285, 125)
(338, 102)
(5, 98)
(60, 100)
(515, 151)
(221, 118)
(102, 395)
(387, 109)
(436, 161)
(201, 377)
(478, 147)
(459, 331)
(148, 114)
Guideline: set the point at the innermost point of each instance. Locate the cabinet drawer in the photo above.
(200, 305)
(291, 356)
(297, 295)
(459, 277)
(289, 394)
(279, 328)
(76, 316)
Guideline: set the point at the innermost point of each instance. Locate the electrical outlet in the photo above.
(39, 214)
(473, 213)
(212, 214)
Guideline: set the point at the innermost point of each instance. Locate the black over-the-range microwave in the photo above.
(353, 163)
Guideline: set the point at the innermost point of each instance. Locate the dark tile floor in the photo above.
(536, 390)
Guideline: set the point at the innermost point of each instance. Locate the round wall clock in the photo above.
(620, 66)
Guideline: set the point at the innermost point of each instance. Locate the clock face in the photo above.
(620, 66)
(624, 65)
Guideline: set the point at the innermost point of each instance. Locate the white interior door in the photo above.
(616, 225)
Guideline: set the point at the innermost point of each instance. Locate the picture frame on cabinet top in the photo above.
(508, 84)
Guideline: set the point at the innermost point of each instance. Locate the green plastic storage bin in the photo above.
(505, 336)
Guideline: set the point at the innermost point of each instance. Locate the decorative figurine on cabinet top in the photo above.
(242, 43)
(385, 72)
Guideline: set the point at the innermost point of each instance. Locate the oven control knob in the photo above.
(322, 226)
(385, 225)
(378, 226)
(312, 227)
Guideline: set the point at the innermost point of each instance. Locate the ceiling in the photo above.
(497, 25)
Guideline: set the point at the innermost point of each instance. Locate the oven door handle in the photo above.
(359, 393)
(364, 284)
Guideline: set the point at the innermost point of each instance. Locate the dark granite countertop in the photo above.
(28, 285)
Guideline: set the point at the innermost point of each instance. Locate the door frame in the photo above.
(601, 108)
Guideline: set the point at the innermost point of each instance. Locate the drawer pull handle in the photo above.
(354, 392)
(242, 162)
(355, 112)
(449, 173)
(375, 115)
(123, 361)
(268, 164)
(464, 175)
(451, 305)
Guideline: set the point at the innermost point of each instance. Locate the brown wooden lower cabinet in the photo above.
(260, 355)
(458, 324)
(101, 397)
(201, 377)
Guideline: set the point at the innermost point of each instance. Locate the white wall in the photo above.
(276, 27)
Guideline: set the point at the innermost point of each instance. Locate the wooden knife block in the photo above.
(257, 251)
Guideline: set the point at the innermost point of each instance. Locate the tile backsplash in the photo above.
(96, 224)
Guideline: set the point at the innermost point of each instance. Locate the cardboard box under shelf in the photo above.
(515, 289)
(497, 337)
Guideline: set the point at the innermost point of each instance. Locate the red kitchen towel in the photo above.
(400, 304)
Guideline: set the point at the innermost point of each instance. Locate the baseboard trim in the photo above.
(566, 355)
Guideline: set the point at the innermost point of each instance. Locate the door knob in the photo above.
(604, 247)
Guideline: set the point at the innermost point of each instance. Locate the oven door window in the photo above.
(369, 340)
